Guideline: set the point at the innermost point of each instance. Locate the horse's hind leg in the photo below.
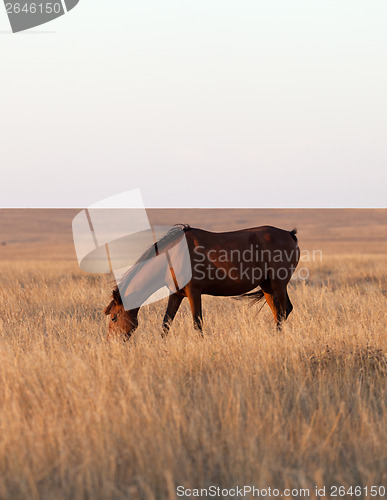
(271, 300)
(284, 305)
(174, 302)
(273, 304)
(277, 298)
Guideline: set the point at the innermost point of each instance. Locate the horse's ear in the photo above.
(108, 308)
(117, 297)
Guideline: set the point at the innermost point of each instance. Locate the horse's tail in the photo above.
(254, 297)
(293, 233)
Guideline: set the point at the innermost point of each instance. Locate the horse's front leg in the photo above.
(174, 302)
(128, 335)
(195, 301)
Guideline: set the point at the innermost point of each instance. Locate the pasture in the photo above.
(82, 418)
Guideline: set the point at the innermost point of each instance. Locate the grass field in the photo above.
(82, 418)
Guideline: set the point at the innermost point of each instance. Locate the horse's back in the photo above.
(265, 237)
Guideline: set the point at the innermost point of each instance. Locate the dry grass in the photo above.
(83, 418)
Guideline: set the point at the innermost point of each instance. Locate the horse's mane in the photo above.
(154, 249)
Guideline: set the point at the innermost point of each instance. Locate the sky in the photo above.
(198, 103)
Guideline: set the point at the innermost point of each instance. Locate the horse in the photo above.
(255, 263)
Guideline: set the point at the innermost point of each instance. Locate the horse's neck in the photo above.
(149, 278)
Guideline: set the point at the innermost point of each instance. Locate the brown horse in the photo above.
(222, 264)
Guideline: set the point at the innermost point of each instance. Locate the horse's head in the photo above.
(121, 321)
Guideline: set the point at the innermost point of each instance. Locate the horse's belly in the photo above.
(227, 288)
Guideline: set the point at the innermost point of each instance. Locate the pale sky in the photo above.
(199, 103)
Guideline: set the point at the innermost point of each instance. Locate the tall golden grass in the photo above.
(83, 418)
